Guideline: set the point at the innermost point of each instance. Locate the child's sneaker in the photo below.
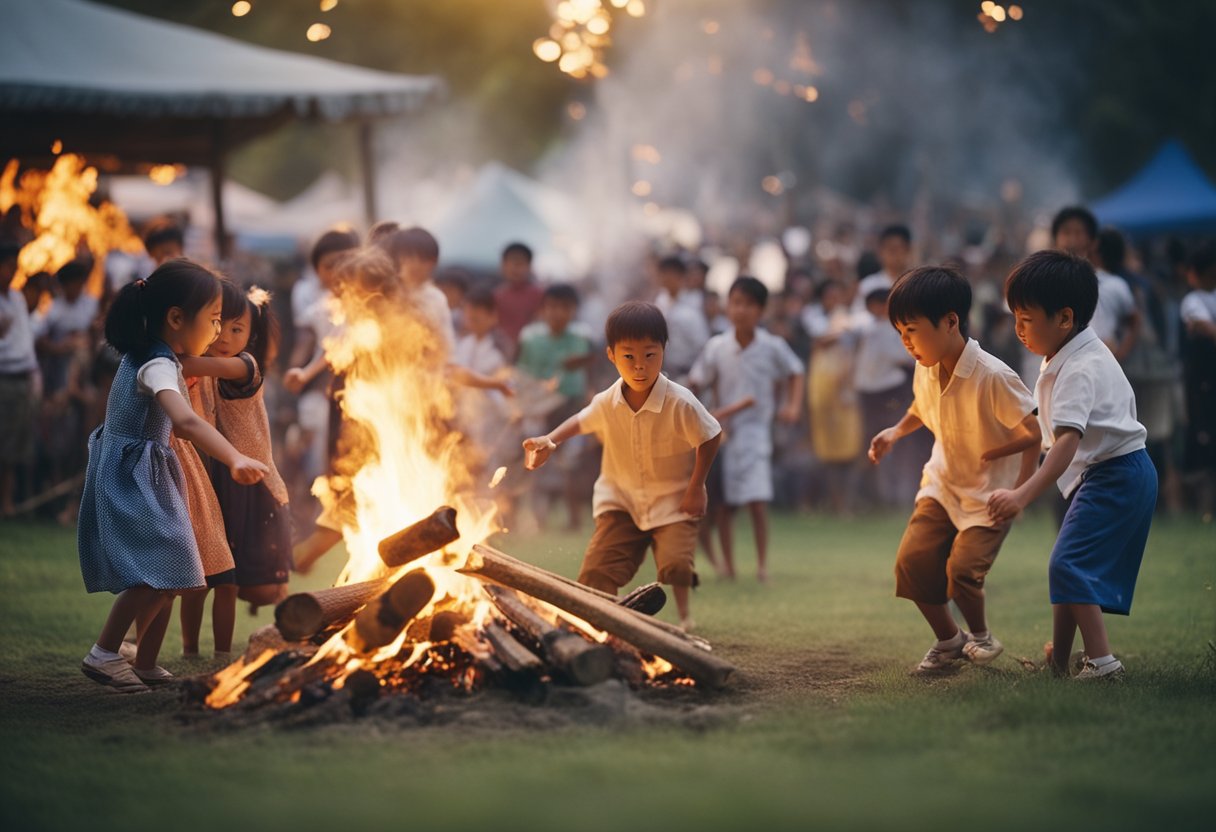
(982, 651)
(1113, 669)
(939, 658)
(156, 676)
(115, 673)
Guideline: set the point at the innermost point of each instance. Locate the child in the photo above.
(164, 240)
(685, 318)
(1095, 454)
(659, 442)
(18, 378)
(981, 417)
(518, 296)
(481, 413)
(135, 534)
(416, 253)
(883, 380)
(1199, 372)
(895, 255)
(749, 362)
(257, 519)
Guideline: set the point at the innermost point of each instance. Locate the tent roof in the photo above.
(1170, 193)
(71, 68)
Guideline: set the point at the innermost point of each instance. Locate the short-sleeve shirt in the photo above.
(159, 374)
(982, 404)
(1083, 387)
(650, 453)
(687, 333)
(1115, 304)
(736, 372)
(1199, 306)
(882, 361)
(17, 341)
(432, 304)
(542, 353)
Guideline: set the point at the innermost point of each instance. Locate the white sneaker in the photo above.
(1090, 671)
(115, 673)
(983, 651)
(939, 658)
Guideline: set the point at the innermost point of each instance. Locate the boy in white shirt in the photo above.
(982, 419)
(659, 442)
(1095, 453)
(416, 253)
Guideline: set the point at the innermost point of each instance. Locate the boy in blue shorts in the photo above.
(1095, 453)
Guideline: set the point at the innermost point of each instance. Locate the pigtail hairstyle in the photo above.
(263, 328)
(137, 315)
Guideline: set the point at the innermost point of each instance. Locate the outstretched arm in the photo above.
(882, 443)
(539, 448)
(1005, 504)
(232, 369)
(189, 425)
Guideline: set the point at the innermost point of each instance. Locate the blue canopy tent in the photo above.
(1170, 193)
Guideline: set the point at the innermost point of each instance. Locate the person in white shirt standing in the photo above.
(985, 438)
(659, 442)
(1095, 454)
(895, 255)
(18, 378)
(686, 323)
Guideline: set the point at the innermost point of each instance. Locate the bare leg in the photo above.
(127, 607)
(1093, 628)
(192, 619)
(940, 619)
(760, 530)
(145, 618)
(973, 611)
(152, 634)
(681, 593)
(726, 522)
(1063, 630)
(223, 617)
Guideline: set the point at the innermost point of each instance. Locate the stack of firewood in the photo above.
(531, 631)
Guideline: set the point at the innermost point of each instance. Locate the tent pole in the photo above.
(367, 165)
(218, 152)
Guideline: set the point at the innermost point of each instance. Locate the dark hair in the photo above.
(1203, 258)
(699, 265)
(383, 231)
(867, 264)
(456, 278)
(752, 289)
(635, 321)
(1051, 281)
(672, 263)
(1112, 250)
(930, 292)
(824, 286)
(163, 231)
(9, 250)
(414, 242)
(138, 312)
(482, 298)
(74, 271)
(561, 293)
(263, 325)
(517, 248)
(897, 230)
(878, 296)
(1075, 212)
(332, 241)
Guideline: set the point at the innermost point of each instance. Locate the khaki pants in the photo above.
(937, 562)
(618, 548)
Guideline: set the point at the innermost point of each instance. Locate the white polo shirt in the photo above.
(1115, 303)
(1083, 387)
(649, 455)
(982, 403)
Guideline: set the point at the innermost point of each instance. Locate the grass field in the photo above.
(822, 728)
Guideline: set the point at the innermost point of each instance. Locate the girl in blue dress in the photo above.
(134, 533)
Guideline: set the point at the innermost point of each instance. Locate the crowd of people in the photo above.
(805, 384)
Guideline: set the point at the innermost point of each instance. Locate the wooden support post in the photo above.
(367, 167)
(219, 152)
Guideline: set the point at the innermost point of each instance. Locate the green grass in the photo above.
(823, 726)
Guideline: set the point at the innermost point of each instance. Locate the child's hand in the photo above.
(537, 451)
(293, 380)
(247, 471)
(504, 387)
(1004, 505)
(694, 501)
(881, 444)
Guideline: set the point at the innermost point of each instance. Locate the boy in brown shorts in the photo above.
(982, 418)
(659, 442)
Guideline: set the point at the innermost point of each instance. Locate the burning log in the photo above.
(427, 535)
(514, 656)
(633, 627)
(581, 661)
(385, 617)
(304, 614)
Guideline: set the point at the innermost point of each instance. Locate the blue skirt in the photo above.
(1097, 556)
